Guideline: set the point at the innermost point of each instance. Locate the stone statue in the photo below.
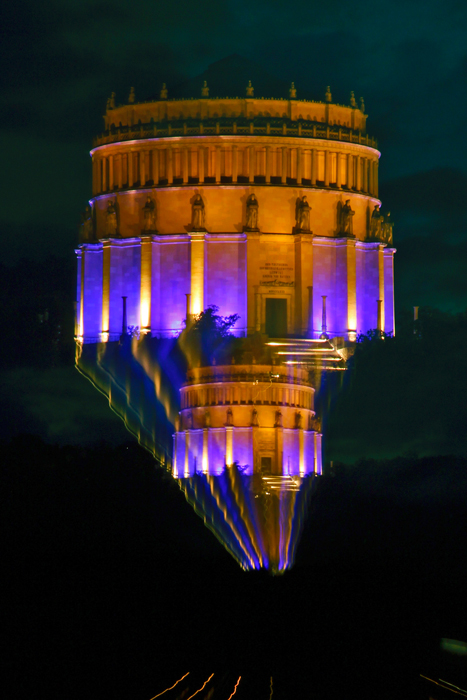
(386, 228)
(164, 93)
(189, 420)
(302, 215)
(298, 420)
(87, 227)
(131, 96)
(111, 219)
(376, 222)
(112, 101)
(353, 101)
(250, 91)
(362, 105)
(328, 95)
(254, 418)
(149, 215)
(315, 424)
(346, 215)
(292, 92)
(251, 213)
(229, 417)
(205, 90)
(207, 420)
(197, 214)
(278, 421)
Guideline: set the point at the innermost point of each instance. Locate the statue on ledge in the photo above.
(386, 228)
(302, 215)
(376, 223)
(345, 214)
(149, 215)
(86, 226)
(111, 219)
(197, 214)
(251, 213)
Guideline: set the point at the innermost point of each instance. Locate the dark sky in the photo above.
(408, 60)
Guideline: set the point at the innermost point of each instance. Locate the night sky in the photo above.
(115, 584)
(409, 61)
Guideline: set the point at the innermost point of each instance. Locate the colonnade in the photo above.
(356, 169)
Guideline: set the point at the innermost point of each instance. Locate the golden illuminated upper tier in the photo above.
(225, 151)
(234, 116)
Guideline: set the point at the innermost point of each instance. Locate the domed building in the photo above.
(266, 208)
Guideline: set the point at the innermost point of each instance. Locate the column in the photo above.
(381, 283)
(105, 289)
(201, 164)
(310, 312)
(365, 187)
(268, 164)
(130, 169)
(299, 166)
(197, 245)
(327, 168)
(111, 172)
(284, 166)
(205, 465)
(170, 170)
(145, 295)
(228, 445)
(350, 182)
(120, 171)
(234, 164)
(251, 164)
(376, 185)
(313, 166)
(257, 311)
(104, 174)
(142, 168)
(338, 168)
(184, 156)
(155, 166)
(351, 288)
(303, 279)
(358, 184)
(218, 165)
(279, 445)
(389, 326)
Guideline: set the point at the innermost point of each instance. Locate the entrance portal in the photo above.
(276, 318)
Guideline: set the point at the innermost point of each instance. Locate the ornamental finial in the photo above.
(362, 105)
(353, 101)
(328, 96)
(292, 91)
(250, 91)
(131, 96)
(164, 93)
(205, 90)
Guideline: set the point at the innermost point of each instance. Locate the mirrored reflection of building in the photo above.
(267, 209)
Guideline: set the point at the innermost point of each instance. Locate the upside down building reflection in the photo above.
(268, 210)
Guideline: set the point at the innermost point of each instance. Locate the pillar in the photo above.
(310, 312)
(170, 170)
(381, 283)
(104, 174)
(299, 166)
(218, 165)
(184, 156)
(358, 184)
(376, 183)
(258, 312)
(314, 162)
(338, 168)
(145, 296)
(142, 168)
(155, 166)
(252, 164)
(111, 172)
(327, 168)
(234, 163)
(284, 166)
(197, 245)
(105, 289)
(201, 164)
(351, 262)
(303, 278)
(268, 164)
(228, 445)
(130, 169)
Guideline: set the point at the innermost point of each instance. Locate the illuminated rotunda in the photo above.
(265, 208)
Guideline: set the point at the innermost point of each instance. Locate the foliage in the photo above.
(209, 339)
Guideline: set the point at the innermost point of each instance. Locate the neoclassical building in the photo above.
(265, 208)
(208, 198)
